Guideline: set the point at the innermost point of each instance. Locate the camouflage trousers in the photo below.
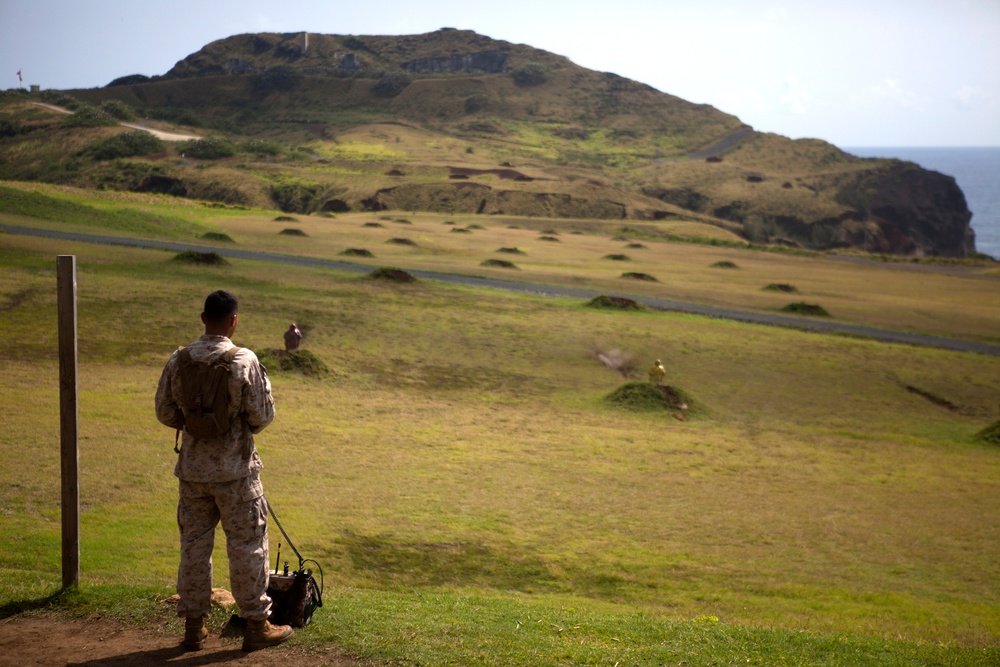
(241, 508)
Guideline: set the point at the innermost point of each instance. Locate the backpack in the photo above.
(205, 388)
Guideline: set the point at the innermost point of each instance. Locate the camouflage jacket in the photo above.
(233, 455)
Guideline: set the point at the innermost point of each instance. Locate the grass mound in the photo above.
(618, 258)
(511, 251)
(288, 231)
(217, 236)
(724, 265)
(782, 287)
(402, 241)
(614, 303)
(499, 263)
(378, 225)
(645, 397)
(357, 252)
(301, 361)
(203, 258)
(460, 230)
(636, 246)
(632, 275)
(392, 275)
(403, 221)
(990, 434)
(548, 238)
(474, 226)
(286, 218)
(802, 308)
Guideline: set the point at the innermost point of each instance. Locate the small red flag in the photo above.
(19, 76)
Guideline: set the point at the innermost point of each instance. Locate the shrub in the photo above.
(475, 102)
(530, 74)
(295, 197)
(209, 148)
(260, 148)
(802, 308)
(118, 109)
(126, 144)
(88, 116)
(391, 83)
(990, 434)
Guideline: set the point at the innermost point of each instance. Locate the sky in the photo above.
(852, 72)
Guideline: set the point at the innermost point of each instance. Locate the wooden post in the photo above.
(68, 417)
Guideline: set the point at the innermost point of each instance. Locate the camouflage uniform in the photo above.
(219, 481)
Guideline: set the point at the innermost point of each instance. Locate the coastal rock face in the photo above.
(917, 212)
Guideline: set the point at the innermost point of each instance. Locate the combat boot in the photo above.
(261, 634)
(195, 633)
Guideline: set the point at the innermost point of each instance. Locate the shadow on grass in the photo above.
(15, 607)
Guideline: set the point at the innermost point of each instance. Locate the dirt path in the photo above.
(159, 134)
(751, 317)
(101, 643)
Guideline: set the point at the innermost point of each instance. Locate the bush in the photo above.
(391, 83)
(530, 74)
(118, 109)
(126, 144)
(88, 116)
(295, 197)
(260, 148)
(209, 148)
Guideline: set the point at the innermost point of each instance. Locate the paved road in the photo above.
(808, 324)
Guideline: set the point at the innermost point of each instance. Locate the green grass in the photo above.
(469, 493)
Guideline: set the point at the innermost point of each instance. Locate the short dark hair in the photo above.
(220, 305)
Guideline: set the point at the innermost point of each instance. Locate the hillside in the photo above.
(456, 122)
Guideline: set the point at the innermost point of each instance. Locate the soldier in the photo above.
(292, 338)
(219, 481)
(657, 373)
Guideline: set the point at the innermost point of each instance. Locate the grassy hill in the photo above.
(453, 121)
(459, 472)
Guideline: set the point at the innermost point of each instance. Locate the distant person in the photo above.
(657, 373)
(219, 476)
(292, 338)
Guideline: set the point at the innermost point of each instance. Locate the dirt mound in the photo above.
(202, 258)
(615, 303)
(392, 275)
(644, 397)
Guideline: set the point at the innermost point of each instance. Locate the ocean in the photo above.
(977, 171)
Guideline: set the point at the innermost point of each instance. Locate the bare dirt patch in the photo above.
(103, 643)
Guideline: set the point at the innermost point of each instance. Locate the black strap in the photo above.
(270, 509)
(317, 591)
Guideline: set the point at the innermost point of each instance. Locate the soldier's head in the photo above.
(221, 313)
